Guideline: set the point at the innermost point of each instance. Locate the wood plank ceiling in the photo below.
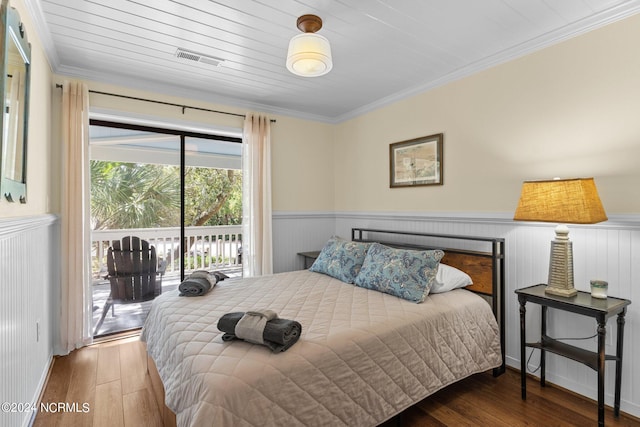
(383, 50)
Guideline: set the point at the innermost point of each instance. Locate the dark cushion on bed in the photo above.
(341, 259)
(407, 274)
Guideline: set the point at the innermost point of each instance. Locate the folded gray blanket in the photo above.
(278, 335)
(200, 282)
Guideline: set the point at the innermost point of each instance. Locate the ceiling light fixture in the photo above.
(309, 54)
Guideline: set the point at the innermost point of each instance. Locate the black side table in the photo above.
(309, 258)
(582, 303)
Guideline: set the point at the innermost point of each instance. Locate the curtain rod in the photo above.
(184, 107)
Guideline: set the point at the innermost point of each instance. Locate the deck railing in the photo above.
(208, 247)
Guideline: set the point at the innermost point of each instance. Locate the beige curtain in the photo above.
(75, 291)
(256, 196)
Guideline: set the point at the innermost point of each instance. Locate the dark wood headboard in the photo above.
(484, 263)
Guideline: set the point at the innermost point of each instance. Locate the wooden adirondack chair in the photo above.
(133, 272)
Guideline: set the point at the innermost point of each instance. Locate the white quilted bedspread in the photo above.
(363, 356)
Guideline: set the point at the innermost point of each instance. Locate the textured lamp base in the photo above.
(560, 291)
(561, 265)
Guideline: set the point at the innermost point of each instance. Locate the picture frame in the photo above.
(416, 162)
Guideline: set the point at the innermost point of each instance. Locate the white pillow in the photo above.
(449, 278)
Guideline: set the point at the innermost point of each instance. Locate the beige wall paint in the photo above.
(302, 166)
(39, 133)
(570, 110)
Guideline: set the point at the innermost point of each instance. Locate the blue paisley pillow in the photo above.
(341, 259)
(407, 274)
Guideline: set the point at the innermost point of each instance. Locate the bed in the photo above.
(363, 357)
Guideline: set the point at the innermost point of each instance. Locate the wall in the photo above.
(28, 268)
(568, 110)
(28, 247)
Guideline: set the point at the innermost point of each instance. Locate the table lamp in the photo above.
(563, 201)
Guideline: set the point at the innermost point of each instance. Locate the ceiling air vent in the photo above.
(198, 57)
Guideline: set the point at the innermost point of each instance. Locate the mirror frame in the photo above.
(12, 31)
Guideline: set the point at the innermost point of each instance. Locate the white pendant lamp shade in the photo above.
(309, 54)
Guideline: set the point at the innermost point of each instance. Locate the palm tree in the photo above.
(134, 195)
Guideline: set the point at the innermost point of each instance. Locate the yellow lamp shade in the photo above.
(568, 201)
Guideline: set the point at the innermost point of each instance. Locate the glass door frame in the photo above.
(183, 134)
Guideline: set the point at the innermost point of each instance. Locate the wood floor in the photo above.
(111, 378)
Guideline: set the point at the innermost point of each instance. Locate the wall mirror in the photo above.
(15, 58)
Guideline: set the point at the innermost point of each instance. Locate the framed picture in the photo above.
(416, 162)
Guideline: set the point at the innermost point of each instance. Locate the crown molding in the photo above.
(139, 83)
(34, 8)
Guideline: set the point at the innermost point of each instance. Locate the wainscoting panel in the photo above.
(28, 277)
(298, 232)
(609, 251)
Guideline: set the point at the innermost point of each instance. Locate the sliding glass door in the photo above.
(163, 203)
(213, 205)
